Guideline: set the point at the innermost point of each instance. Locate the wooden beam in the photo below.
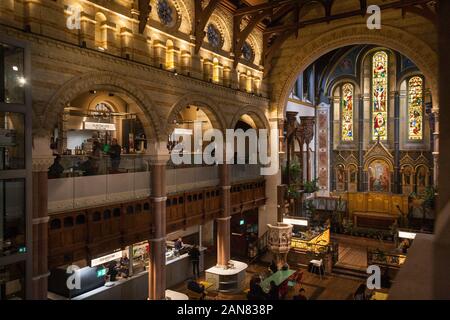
(144, 12)
(201, 19)
(284, 31)
(239, 36)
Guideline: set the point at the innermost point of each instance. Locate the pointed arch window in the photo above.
(347, 97)
(415, 108)
(380, 95)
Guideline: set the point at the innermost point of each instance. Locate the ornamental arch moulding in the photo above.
(208, 105)
(286, 69)
(255, 113)
(103, 81)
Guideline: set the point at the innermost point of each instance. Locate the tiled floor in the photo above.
(330, 287)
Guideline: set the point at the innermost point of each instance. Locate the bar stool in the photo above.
(317, 264)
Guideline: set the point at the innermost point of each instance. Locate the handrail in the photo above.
(261, 245)
(388, 259)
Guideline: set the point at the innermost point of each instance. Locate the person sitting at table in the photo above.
(274, 293)
(273, 267)
(301, 295)
(360, 293)
(196, 287)
(256, 292)
(56, 169)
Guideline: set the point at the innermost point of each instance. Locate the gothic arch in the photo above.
(284, 75)
(107, 81)
(256, 114)
(208, 105)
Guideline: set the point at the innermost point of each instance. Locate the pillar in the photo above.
(441, 246)
(360, 143)
(158, 196)
(223, 222)
(436, 147)
(42, 160)
(397, 180)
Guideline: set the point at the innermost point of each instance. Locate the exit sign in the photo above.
(22, 249)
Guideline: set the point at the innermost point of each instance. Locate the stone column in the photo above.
(158, 195)
(397, 179)
(436, 147)
(308, 124)
(441, 247)
(223, 222)
(360, 143)
(42, 160)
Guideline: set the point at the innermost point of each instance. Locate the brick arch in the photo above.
(107, 81)
(256, 114)
(209, 106)
(284, 74)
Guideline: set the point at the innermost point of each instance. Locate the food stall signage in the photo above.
(107, 258)
(406, 234)
(99, 126)
(298, 222)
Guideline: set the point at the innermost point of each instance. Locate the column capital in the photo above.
(157, 153)
(41, 163)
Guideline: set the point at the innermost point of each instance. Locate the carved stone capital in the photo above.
(41, 164)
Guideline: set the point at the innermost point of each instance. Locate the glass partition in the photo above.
(12, 80)
(12, 216)
(12, 141)
(12, 281)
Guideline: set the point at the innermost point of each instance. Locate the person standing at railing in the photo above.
(114, 153)
(56, 169)
(95, 157)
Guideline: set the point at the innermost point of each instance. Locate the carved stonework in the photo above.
(280, 241)
(322, 152)
(280, 237)
(41, 164)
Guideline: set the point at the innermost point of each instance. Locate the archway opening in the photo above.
(100, 132)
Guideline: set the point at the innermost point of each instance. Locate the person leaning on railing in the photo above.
(56, 169)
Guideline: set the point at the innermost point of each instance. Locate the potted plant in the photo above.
(311, 186)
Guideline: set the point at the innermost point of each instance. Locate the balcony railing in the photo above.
(86, 182)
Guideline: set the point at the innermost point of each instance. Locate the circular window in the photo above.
(166, 13)
(214, 36)
(247, 52)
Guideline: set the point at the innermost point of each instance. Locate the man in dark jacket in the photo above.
(194, 255)
(114, 153)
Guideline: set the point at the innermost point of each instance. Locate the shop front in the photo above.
(98, 133)
(123, 273)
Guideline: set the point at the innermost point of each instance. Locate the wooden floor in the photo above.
(353, 250)
(352, 256)
(330, 287)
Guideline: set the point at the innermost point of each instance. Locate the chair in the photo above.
(296, 280)
(317, 264)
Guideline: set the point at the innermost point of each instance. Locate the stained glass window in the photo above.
(247, 51)
(347, 112)
(165, 12)
(214, 36)
(415, 108)
(379, 95)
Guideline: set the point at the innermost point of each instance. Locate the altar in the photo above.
(375, 209)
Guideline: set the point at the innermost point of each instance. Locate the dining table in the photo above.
(278, 277)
